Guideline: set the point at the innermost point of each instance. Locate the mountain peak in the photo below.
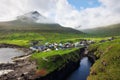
(34, 16)
(35, 12)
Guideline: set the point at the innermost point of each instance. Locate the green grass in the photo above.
(23, 38)
(21, 33)
(54, 60)
(108, 52)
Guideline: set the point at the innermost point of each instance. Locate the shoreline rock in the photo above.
(22, 68)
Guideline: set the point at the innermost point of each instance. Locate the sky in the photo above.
(78, 14)
(83, 4)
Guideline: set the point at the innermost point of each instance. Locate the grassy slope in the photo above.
(21, 33)
(109, 53)
(15, 26)
(112, 30)
(50, 61)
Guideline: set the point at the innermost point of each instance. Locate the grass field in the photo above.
(107, 67)
(23, 39)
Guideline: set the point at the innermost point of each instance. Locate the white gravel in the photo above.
(2, 72)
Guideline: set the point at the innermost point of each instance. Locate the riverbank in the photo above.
(106, 67)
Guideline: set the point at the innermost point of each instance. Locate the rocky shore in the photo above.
(22, 68)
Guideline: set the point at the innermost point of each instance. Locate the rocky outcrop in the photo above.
(92, 58)
(22, 70)
(4, 66)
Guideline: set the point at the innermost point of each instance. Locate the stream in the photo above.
(83, 71)
(7, 53)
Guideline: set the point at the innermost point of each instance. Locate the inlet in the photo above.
(7, 53)
(83, 71)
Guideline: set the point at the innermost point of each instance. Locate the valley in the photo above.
(100, 46)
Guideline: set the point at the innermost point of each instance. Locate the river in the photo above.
(82, 72)
(7, 53)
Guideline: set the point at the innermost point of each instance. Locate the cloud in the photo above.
(63, 12)
(107, 13)
(9, 9)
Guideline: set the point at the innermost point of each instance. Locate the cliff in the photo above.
(58, 67)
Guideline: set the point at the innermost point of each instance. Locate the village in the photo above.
(35, 47)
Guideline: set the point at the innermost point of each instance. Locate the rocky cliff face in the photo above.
(61, 74)
(70, 66)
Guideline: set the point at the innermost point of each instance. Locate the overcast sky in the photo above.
(70, 13)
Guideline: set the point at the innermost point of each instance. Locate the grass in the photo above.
(107, 67)
(24, 38)
(52, 53)
(50, 61)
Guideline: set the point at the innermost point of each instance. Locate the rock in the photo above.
(20, 78)
(5, 66)
(102, 41)
(4, 72)
(104, 63)
(93, 72)
(111, 38)
(23, 70)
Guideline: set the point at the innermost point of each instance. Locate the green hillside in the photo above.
(112, 30)
(107, 67)
(17, 25)
(21, 33)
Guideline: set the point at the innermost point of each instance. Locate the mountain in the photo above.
(111, 30)
(34, 16)
(35, 22)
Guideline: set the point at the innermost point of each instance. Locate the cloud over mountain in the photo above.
(61, 11)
